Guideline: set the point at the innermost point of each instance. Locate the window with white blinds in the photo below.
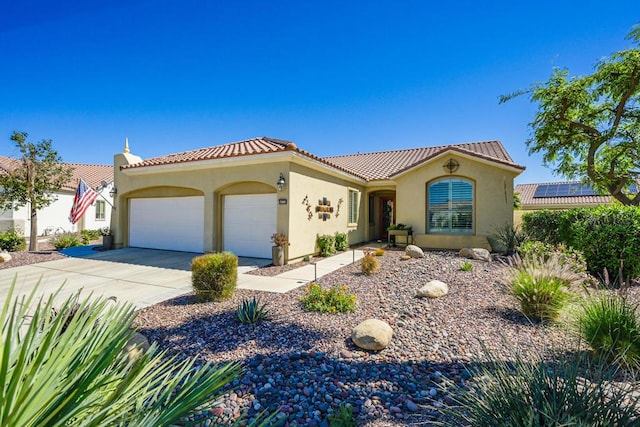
(450, 206)
(353, 206)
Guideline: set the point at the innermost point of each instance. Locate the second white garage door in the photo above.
(249, 221)
(172, 223)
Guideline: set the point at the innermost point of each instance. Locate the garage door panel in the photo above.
(248, 223)
(171, 223)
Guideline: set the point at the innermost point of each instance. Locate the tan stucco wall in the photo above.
(312, 185)
(493, 197)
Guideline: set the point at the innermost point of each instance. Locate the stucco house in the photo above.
(557, 196)
(234, 196)
(55, 217)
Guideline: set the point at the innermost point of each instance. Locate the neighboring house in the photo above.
(234, 196)
(556, 196)
(55, 217)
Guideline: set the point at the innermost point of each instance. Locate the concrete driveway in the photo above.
(140, 276)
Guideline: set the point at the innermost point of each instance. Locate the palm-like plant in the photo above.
(70, 369)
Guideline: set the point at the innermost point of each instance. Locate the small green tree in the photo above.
(588, 127)
(38, 174)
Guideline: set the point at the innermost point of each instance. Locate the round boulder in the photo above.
(138, 345)
(433, 289)
(413, 251)
(475, 253)
(372, 334)
(5, 256)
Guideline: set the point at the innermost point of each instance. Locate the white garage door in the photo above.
(172, 223)
(248, 223)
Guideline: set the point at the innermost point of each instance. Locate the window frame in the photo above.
(104, 210)
(353, 207)
(466, 208)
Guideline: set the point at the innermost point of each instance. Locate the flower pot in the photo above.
(107, 242)
(277, 255)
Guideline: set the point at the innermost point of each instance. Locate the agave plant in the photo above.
(251, 311)
(70, 368)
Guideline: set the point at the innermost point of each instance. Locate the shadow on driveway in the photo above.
(151, 257)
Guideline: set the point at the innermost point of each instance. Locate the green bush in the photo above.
(338, 299)
(327, 244)
(466, 266)
(342, 241)
(540, 285)
(508, 238)
(543, 225)
(214, 276)
(66, 240)
(611, 328)
(566, 255)
(12, 241)
(89, 235)
(72, 368)
(519, 393)
(251, 311)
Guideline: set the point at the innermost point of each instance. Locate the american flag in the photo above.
(85, 196)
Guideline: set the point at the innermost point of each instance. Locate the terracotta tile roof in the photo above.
(527, 191)
(92, 174)
(369, 166)
(386, 164)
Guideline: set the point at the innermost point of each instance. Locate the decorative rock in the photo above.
(5, 256)
(414, 252)
(433, 289)
(372, 334)
(412, 407)
(475, 253)
(137, 345)
(405, 257)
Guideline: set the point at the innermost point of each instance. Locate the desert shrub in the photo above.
(12, 241)
(609, 237)
(543, 225)
(214, 276)
(369, 263)
(89, 235)
(508, 238)
(466, 266)
(378, 252)
(338, 299)
(327, 244)
(610, 326)
(520, 393)
(66, 240)
(540, 285)
(341, 241)
(72, 369)
(251, 311)
(566, 255)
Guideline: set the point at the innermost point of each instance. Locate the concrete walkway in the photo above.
(148, 276)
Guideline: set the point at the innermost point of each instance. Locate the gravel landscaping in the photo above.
(303, 366)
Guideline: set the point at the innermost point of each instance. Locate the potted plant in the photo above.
(280, 240)
(107, 238)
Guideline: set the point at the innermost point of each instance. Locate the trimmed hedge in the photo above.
(214, 276)
(11, 241)
(608, 236)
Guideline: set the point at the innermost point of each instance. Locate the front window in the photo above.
(450, 206)
(353, 206)
(100, 209)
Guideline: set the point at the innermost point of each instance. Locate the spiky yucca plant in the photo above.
(540, 284)
(70, 369)
(251, 311)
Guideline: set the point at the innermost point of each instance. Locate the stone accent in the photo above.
(475, 253)
(433, 289)
(414, 252)
(5, 256)
(138, 345)
(372, 334)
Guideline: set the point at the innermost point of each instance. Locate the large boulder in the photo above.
(5, 256)
(433, 289)
(372, 334)
(475, 253)
(413, 251)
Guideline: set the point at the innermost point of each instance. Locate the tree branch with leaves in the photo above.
(588, 127)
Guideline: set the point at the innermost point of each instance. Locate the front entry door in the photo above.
(387, 214)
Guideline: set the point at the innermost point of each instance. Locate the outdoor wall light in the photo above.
(281, 182)
(113, 192)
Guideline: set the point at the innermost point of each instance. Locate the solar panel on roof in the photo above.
(563, 190)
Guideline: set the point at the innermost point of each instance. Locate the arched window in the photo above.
(450, 206)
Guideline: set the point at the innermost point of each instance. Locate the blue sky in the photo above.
(336, 77)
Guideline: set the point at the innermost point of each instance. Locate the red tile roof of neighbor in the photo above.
(92, 174)
(526, 192)
(368, 166)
